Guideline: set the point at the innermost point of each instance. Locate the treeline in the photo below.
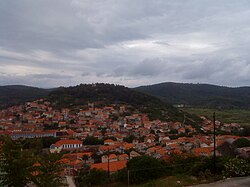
(200, 95)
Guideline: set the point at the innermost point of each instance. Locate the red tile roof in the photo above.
(113, 166)
(77, 155)
(203, 151)
(109, 141)
(112, 156)
(63, 142)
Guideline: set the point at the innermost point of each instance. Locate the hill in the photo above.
(17, 94)
(105, 94)
(200, 95)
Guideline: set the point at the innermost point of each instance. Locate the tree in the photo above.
(152, 131)
(103, 130)
(91, 140)
(129, 139)
(47, 141)
(97, 158)
(241, 142)
(47, 171)
(34, 144)
(15, 164)
(142, 169)
(50, 127)
(226, 149)
(38, 143)
(173, 131)
(85, 158)
(94, 177)
(246, 131)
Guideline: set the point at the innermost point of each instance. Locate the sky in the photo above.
(50, 43)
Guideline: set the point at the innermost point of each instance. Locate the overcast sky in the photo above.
(48, 43)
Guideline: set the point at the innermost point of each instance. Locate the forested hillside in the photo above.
(105, 94)
(200, 95)
(17, 94)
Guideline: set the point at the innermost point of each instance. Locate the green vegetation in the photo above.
(142, 169)
(174, 181)
(91, 140)
(241, 142)
(47, 171)
(50, 127)
(15, 164)
(19, 167)
(26, 166)
(106, 94)
(200, 95)
(226, 116)
(237, 167)
(146, 170)
(129, 139)
(16, 94)
(196, 95)
(178, 170)
(92, 178)
(38, 143)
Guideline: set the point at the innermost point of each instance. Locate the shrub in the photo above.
(241, 142)
(93, 178)
(237, 167)
(142, 169)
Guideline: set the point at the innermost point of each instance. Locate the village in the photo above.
(107, 137)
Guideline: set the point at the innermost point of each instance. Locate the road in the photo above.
(70, 181)
(233, 182)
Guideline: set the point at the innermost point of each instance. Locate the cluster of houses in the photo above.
(125, 133)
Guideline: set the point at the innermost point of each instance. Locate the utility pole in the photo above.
(128, 177)
(184, 120)
(214, 143)
(108, 164)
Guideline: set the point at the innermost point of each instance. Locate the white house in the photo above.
(65, 145)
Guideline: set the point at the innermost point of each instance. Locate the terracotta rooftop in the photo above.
(63, 142)
(113, 166)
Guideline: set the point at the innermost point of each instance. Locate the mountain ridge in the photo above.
(200, 95)
(101, 93)
(190, 94)
(17, 94)
(106, 94)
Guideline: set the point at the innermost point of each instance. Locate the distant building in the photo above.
(24, 135)
(179, 106)
(65, 145)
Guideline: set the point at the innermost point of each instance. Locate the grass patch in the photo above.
(173, 181)
(227, 116)
(170, 181)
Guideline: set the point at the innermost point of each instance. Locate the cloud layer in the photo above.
(49, 43)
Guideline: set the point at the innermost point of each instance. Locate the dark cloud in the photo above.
(50, 76)
(84, 74)
(63, 42)
(149, 67)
